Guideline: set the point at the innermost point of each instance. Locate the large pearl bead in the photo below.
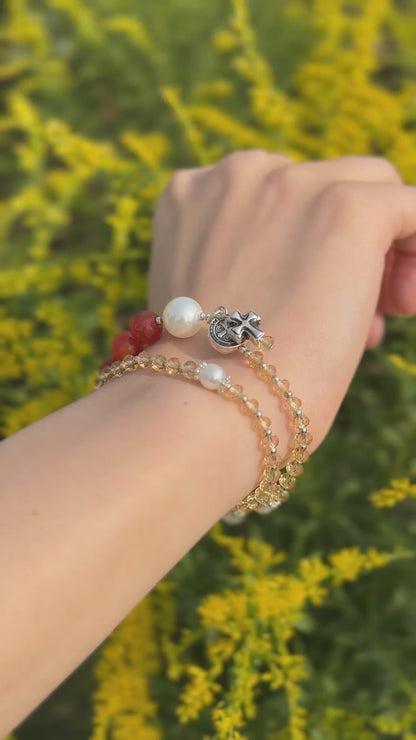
(181, 317)
(211, 375)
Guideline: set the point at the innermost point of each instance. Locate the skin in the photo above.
(322, 251)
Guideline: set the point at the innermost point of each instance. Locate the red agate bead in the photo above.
(106, 363)
(125, 344)
(144, 327)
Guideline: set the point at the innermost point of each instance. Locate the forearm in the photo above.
(98, 501)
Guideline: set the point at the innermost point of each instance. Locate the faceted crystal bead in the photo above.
(188, 369)
(264, 422)
(143, 360)
(303, 438)
(253, 404)
(157, 363)
(267, 341)
(287, 481)
(301, 421)
(257, 357)
(250, 501)
(264, 373)
(261, 494)
(128, 362)
(269, 475)
(294, 468)
(299, 455)
(233, 392)
(172, 366)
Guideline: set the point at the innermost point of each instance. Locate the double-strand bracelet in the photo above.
(183, 317)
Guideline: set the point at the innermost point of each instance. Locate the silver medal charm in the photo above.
(227, 332)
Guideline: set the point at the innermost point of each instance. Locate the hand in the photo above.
(320, 250)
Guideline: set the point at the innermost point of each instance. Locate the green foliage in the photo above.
(100, 102)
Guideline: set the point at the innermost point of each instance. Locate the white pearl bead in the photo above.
(267, 508)
(211, 375)
(234, 517)
(181, 317)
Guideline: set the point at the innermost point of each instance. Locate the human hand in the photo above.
(321, 250)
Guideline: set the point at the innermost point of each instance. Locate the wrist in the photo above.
(210, 413)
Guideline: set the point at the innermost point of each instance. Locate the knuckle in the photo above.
(177, 186)
(284, 180)
(340, 201)
(244, 159)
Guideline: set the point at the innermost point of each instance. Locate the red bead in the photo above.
(106, 363)
(144, 327)
(125, 344)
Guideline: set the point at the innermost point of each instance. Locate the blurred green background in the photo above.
(100, 101)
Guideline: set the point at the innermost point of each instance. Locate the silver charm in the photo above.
(227, 332)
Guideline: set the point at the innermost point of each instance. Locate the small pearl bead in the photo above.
(234, 517)
(181, 317)
(211, 375)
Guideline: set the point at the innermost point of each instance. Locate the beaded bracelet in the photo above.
(182, 317)
(267, 495)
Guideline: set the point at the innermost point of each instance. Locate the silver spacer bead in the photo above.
(200, 366)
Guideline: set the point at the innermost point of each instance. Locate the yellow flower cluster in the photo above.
(247, 631)
(122, 701)
(398, 490)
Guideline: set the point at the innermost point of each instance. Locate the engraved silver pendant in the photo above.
(226, 333)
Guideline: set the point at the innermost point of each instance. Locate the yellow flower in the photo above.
(398, 490)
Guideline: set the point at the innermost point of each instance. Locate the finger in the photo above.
(398, 292)
(360, 169)
(202, 182)
(376, 332)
